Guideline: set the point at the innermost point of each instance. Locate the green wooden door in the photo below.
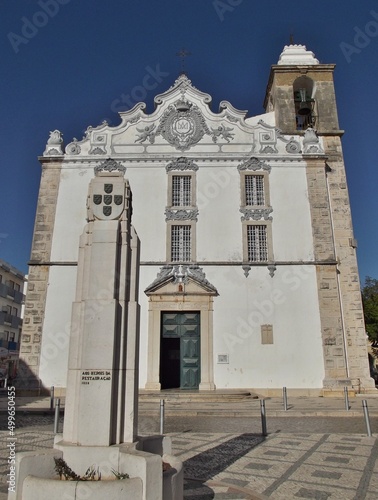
(184, 326)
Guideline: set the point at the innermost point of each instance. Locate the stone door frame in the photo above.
(168, 302)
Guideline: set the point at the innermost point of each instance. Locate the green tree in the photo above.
(370, 303)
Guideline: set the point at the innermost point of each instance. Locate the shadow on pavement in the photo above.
(209, 463)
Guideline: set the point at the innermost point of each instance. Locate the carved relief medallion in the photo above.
(182, 125)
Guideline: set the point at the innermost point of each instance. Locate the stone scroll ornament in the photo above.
(183, 125)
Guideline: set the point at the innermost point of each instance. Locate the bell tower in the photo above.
(301, 94)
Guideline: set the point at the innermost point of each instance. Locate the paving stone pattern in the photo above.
(224, 457)
(248, 466)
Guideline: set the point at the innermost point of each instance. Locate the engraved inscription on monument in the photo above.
(88, 376)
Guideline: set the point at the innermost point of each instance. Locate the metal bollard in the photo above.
(57, 412)
(347, 407)
(284, 398)
(366, 415)
(162, 416)
(263, 417)
(52, 397)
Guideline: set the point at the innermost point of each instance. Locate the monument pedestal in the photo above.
(37, 479)
(101, 415)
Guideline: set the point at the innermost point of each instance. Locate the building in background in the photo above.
(12, 282)
(248, 273)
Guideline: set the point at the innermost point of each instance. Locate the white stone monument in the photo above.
(100, 425)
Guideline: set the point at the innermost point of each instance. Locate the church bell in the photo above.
(304, 106)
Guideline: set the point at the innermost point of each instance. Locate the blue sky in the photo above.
(68, 64)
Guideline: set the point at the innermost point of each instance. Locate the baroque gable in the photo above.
(182, 123)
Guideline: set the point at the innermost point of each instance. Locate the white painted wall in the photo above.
(149, 190)
(289, 302)
(56, 326)
(292, 232)
(218, 228)
(71, 212)
(219, 238)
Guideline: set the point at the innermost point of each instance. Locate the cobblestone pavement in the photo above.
(227, 458)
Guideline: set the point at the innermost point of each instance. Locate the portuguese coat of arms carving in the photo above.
(107, 200)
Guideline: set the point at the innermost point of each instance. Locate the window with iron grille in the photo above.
(181, 243)
(257, 244)
(254, 190)
(181, 191)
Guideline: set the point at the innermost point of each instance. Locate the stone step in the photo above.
(183, 396)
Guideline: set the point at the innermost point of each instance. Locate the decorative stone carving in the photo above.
(181, 273)
(182, 164)
(223, 132)
(134, 120)
(246, 269)
(184, 82)
(311, 144)
(54, 144)
(52, 152)
(268, 139)
(171, 214)
(197, 274)
(73, 148)
(107, 198)
(88, 132)
(272, 269)
(256, 213)
(101, 138)
(183, 125)
(293, 146)
(254, 164)
(56, 138)
(268, 149)
(232, 119)
(110, 165)
(146, 133)
(97, 150)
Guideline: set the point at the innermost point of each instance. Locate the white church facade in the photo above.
(248, 273)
